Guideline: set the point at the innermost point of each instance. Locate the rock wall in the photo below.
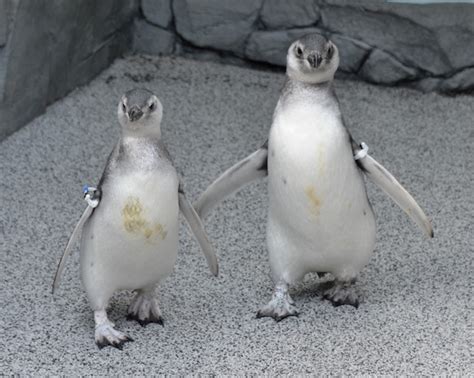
(48, 47)
(429, 47)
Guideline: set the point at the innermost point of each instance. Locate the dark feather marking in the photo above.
(264, 166)
(355, 146)
(106, 172)
(361, 167)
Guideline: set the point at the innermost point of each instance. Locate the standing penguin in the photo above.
(319, 218)
(130, 229)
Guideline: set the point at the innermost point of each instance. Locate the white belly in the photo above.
(319, 215)
(131, 240)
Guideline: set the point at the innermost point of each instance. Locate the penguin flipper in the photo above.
(198, 230)
(244, 172)
(74, 236)
(389, 184)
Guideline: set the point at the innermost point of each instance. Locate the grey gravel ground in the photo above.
(416, 317)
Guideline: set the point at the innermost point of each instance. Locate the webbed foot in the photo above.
(144, 309)
(106, 334)
(280, 306)
(342, 293)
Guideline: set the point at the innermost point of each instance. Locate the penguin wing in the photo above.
(389, 184)
(198, 230)
(74, 236)
(244, 172)
(85, 216)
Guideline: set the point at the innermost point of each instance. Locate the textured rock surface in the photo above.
(3, 23)
(411, 43)
(157, 12)
(423, 46)
(428, 84)
(284, 14)
(351, 52)
(25, 95)
(461, 80)
(416, 315)
(83, 45)
(58, 45)
(6, 12)
(272, 46)
(381, 67)
(151, 40)
(54, 47)
(219, 24)
(456, 40)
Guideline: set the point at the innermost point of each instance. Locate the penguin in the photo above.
(319, 216)
(130, 228)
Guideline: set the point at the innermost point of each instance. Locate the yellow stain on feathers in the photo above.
(314, 200)
(134, 221)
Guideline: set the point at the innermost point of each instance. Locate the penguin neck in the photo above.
(138, 153)
(142, 133)
(133, 139)
(303, 86)
(139, 142)
(295, 90)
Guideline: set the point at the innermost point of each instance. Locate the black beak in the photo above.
(134, 113)
(314, 60)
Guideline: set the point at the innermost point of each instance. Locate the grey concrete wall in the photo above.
(429, 47)
(49, 47)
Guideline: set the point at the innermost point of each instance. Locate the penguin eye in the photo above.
(330, 52)
(299, 52)
(124, 108)
(152, 106)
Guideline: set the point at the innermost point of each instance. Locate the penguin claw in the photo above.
(277, 316)
(116, 344)
(280, 306)
(277, 311)
(102, 343)
(106, 335)
(144, 322)
(337, 303)
(145, 310)
(342, 294)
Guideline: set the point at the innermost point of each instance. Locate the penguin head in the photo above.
(312, 59)
(140, 113)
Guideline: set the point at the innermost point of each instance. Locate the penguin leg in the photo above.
(106, 334)
(342, 292)
(280, 306)
(144, 308)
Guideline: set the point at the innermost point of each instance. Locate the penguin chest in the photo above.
(319, 219)
(131, 240)
(133, 234)
(312, 175)
(144, 208)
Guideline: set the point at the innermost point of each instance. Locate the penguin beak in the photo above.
(134, 113)
(314, 60)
